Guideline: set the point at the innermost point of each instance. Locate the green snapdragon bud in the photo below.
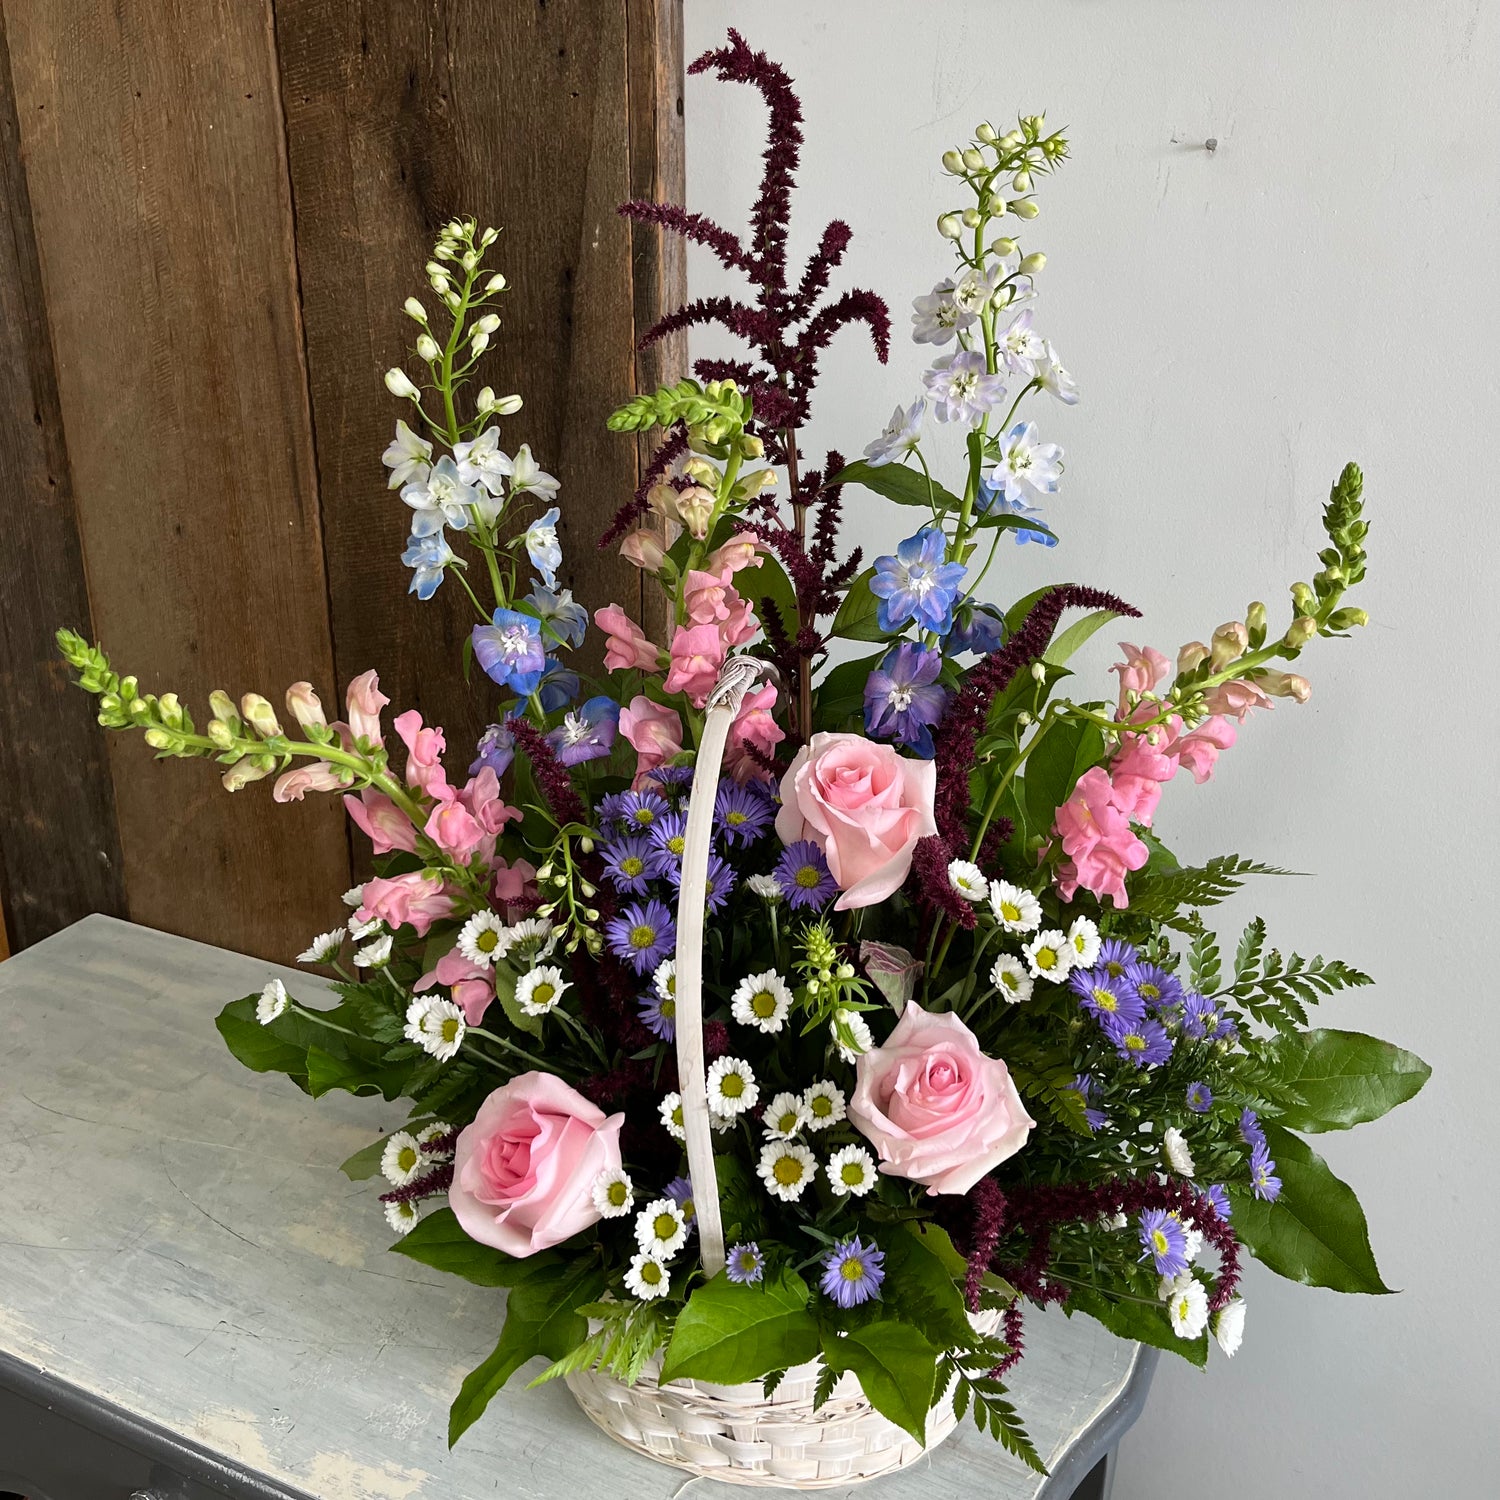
(251, 768)
(260, 715)
(1347, 619)
(220, 733)
(1300, 632)
(1255, 623)
(953, 162)
(1304, 601)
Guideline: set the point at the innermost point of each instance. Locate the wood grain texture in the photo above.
(525, 116)
(59, 855)
(152, 135)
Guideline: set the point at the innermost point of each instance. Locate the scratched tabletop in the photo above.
(176, 1241)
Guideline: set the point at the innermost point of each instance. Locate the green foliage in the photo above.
(976, 1391)
(858, 617)
(1337, 1079)
(896, 1367)
(1069, 749)
(438, 1240)
(919, 1286)
(1204, 964)
(1076, 634)
(729, 1333)
(1315, 1231)
(828, 1377)
(719, 410)
(1165, 895)
(1127, 1318)
(841, 694)
(898, 483)
(1045, 1075)
(365, 1162)
(630, 1334)
(1276, 991)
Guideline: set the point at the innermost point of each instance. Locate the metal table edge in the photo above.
(1103, 1434)
(189, 1460)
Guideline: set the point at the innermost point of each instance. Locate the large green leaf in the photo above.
(365, 1162)
(919, 1285)
(1053, 768)
(858, 618)
(896, 482)
(1315, 1232)
(896, 1366)
(1076, 634)
(438, 1240)
(1343, 1078)
(769, 582)
(540, 1319)
(729, 1333)
(841, 694)
(1136, 1321)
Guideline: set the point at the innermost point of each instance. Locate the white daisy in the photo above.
(851, 1171)
(359, 931)
(354, 897)
(762, 1001)
(535, 937)
(402, 1217)
(851, 1035)
(272, 1003)
(720, 1124)
(648, 1278)
(968, 880)
(1050, 955)
(1193, 1243)
(323, 948)
(429, 1136)
(1015, 908)
(483, 938)
(823, 1103)
(1084, 936)
(661, 1229)
(1175, 1152)
(375, 954)
(614, 1193)
(732, 1088)
(540, 990)
(671, 1116)
(1229, 1327)
(765, 887)
(436, 1026)
(786, 1168)
(664, 979)
(1117, 1222)
(401, 1160)
(785, 1115)
(1188, 1310)
(1009, 976)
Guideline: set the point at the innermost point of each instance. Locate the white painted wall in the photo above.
(1321, 287)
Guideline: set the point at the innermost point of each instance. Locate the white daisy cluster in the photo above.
(1049, 954)
(485, 939)
(661, 1230)
(437, 1026)
(407, 1156)
(787, 1165)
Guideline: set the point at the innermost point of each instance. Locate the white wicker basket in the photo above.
(734, 1433)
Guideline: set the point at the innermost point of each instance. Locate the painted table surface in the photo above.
(176, 1240)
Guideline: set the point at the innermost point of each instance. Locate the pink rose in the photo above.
(654, 731)
(381, 821)
(424, 753)
(697, 654)
(755, 729)
(937, 1109)
(363, 701)
(524, 1171)
(626, 645)
(417, 898)
(318, 776)
(865, 806)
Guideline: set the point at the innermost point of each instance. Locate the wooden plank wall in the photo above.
(216, 208)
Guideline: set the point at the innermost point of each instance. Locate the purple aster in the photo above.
(627, 863)
(916, 584)
(745, 1265)
(680, 1191)
(1115, 957)
(510, 652)
(668, 838)
(852, 1272)
(1218, 1199)
(658, 1014)
(901, 700)
(979, 628)
(1264, 1182)
(642, 935)
(1159, 989)
(803, 875)
(495, 750)
(720, 881)
(673, 778)
(1103, 996)
(1199, 1098)
(1199, 1014)
(1250, 1132)
(1164, 1239)
(1225, 1031)
(611, 810)
(741, 814)
(1145, 1043)
(641, 810)
(1085, 1085)
(586, 733)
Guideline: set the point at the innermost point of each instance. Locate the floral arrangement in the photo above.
(971, 1045)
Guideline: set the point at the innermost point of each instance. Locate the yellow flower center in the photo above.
(407, 1158)
(676, 844)
(853, 1173)
(732, 1086)
(543, 994)
(664, 1226)
(1046, 958)
(642, 935)
(1105, 999)
(1159, 1242)
(632, 865)
(488, 940)
(852, 1269)
(616, 1195)
(788, 1170)
(651, 1273)
(821, 1106)
(763, 1004)
(809, 878)
(450, 1028)
(1010, 911)
(787, 1122)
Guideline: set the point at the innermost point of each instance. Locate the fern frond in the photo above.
(1165, 896)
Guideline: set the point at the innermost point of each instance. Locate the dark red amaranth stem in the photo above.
(552, 779)
(989, 1220)
(673, 446)
(439, 1180)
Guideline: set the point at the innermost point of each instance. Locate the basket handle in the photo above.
(738, 676)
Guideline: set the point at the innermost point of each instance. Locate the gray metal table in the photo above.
(194, 1303)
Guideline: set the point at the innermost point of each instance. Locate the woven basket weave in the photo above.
(733, 1432)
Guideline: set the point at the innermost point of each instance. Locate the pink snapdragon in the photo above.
(363, 701)
(1140, 672)
(1098, 840)
(317, 776)
(754, 735)
(515, 888)
(698, 651)
(738, 552)
(644, 548)
(481, 795)
(381, 821)
(453, 828)
(424, 753)
(1236, 699)
(418, 898)
(626, 647)
(653, 730)
(471, 985)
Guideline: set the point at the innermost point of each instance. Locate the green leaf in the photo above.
(858, 616)
(841, 694)
(325, 1073)
(280, 1047)
(897, 482)
(1076, 634)
(438, 1240)
(1343, 1078)
(1136, 1321)
(896, 1367)
(729, 1333)
(1315, 1232)
(365, 1162)
(769, 584)
(540, 1319)
(1053, 768)
(919, 1286)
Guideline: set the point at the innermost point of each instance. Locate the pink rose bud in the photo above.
(936, 1109)
(524, 1171)
(303, 705)
(259, 714)
(644, 548)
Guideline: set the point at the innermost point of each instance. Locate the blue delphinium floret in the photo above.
(917, 584)
(509, 651)
(902, 700)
